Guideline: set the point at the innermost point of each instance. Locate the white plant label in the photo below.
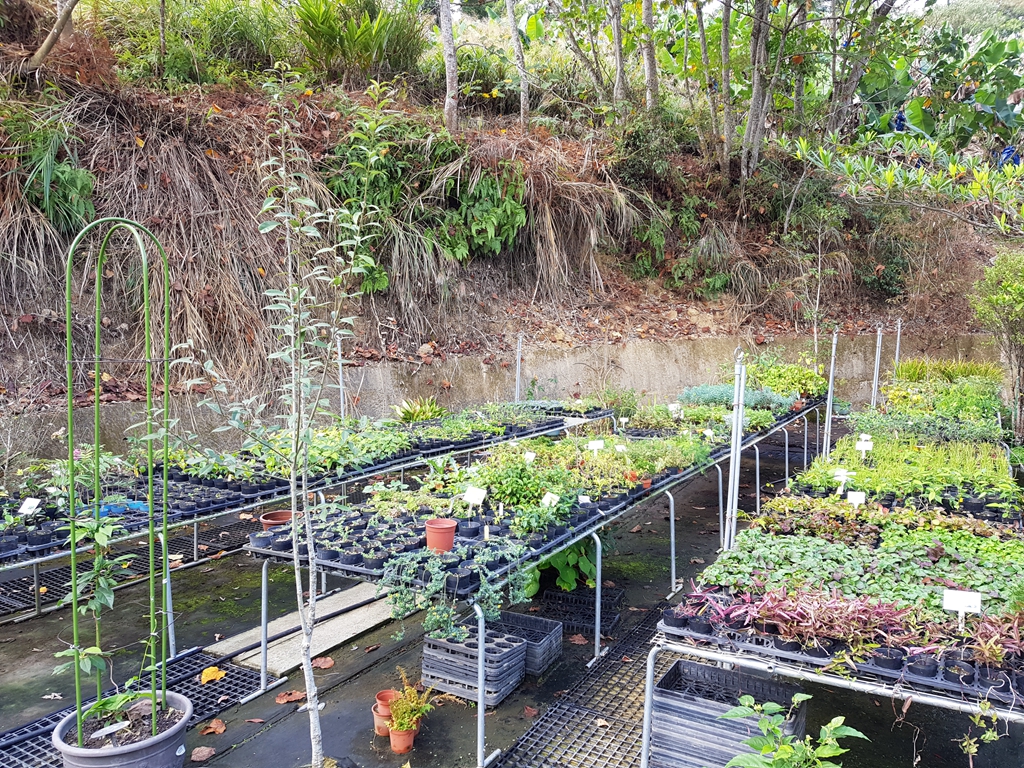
(28, 506)
(475, 495)
(961, 602)
(621, 448)
(487, 533)
(842, 476)
(529, 456)
(856, 498)
(595, 445)
(673, 408)
(584, 499)
(550, 499)
(624, 420)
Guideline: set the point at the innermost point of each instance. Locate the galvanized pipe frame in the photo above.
(758, 664)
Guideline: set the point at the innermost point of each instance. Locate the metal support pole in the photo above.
(807, 426)
(264, 590)
(519, 365)
(481, 681)
(734, 448)
(878, 365)
(899, 333)
(172, 643)
(757, 479)
(645, 741)
(785, 437)
(721, 509)
(35, 589)
(341, 379)
(827, 448)
(817, 432)
(597, 600)
(672, 539)
(195, 541)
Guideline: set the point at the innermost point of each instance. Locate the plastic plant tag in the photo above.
(621, 448)
(28, 506)
(673, 408)
(856, 498)
(475, 495)
(584, 499)
(624, 420)
(487, 533)
(529, 456)
(842, 476)
(595, 445)
(550, 499)
(961, 602)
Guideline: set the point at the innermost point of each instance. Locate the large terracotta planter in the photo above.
(401, 741)
(441, 534)
(380, 722)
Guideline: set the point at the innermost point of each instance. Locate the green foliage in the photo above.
(774, 749)
(787, 379)
(43, 149)
(358, 39)
(574, 564)
(976, 17)
(419, 409)
(920, 369)
(642, 151)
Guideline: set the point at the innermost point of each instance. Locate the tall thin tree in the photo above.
(451, 67)
(517, 48)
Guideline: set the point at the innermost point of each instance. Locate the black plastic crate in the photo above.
(611, 598)
(543, 638)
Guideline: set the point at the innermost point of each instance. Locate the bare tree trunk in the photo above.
(798, 85)
(517, 47)
(727, 126)
(43, 51)
(650, 62)
(451, 68)
(758, 61)
(69, 28)
(163, 37)
(705, 60)
(588, 65)
(615, 17)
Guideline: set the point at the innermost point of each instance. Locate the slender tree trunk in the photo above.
(63, 20)
(727, 126)
(451, 68)
(798, 85)
(705, 60)
(845, 88)
(650, 62)
(582, 58)
(69, 28)
(163, 37)
(758, 61)
(517, 47)
(619, 84)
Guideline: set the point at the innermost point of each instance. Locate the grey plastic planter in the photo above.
(164, 751)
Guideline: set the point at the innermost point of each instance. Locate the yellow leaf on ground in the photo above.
(211, 674)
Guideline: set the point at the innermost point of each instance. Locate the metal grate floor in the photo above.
(573, 737)
(19, 749)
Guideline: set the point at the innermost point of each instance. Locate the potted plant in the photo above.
(407, 710)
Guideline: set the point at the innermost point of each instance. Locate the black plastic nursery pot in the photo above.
(165, 750)
(923, 665)
(888, 658)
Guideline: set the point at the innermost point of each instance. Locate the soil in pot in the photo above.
(786, 645)
(700, 625)
(959, 672)
(672, 620)
(138, 730)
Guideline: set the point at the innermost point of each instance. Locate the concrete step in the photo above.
(284, 655)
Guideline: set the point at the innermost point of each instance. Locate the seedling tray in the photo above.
(543, 638)
(611, 598)
(492, 696)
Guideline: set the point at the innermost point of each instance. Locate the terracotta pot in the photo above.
(380, 722)
(646, 482)
(384, 699)
(441, 534)
(401, 741)
(277, 517)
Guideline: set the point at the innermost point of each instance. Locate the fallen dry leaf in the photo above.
(609, 584)
(203, 547)
(601, 722)
(214, 726)
(371, 648)
(636, 529)
(217, 636)
(560, 694)
(222, 699)
(323, 662)
(53, 696)
(219, 555)
(245, 516)
(211, 674)
(530, 711)
(697, 560)
(626, 659)
(202, 754)
(255, 720)
(579, 640)
(286, 696)
(641, 610)
(534, 609)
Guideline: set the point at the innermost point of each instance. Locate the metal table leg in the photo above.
(597, 602)
(481, 699)
(263, 623)
(757, 478)
(721, 509)
(35, 589)
(672, 541)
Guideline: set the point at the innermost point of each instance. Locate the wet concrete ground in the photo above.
(224, 597)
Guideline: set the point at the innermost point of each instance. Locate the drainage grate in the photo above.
(568, 737)
(37, 752)
(616, 687)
